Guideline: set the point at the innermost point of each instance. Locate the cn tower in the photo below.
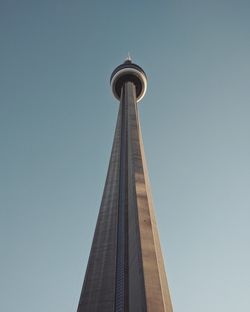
(125, 271)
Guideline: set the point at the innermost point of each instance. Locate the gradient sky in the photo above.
(57, 119)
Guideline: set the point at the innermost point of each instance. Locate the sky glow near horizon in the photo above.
(57, 120)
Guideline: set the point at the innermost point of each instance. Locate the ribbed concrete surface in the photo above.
(145, 280)
(98, 290)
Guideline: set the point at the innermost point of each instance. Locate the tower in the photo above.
(125, 271)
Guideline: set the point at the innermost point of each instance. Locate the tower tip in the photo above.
(128, 59)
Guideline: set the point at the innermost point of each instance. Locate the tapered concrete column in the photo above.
(125, 271)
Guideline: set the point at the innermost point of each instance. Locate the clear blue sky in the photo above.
(57, 123)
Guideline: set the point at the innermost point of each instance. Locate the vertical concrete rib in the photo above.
(121, 300)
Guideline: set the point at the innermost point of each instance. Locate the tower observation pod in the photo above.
(129, 72)
(125, 271)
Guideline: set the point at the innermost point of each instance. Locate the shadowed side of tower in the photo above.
(125, 270)
(99, 284)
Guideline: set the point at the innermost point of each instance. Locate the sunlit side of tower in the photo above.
(125, 271)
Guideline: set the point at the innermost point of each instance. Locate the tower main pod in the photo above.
(125, 271)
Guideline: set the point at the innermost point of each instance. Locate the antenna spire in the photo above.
(128, 58)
